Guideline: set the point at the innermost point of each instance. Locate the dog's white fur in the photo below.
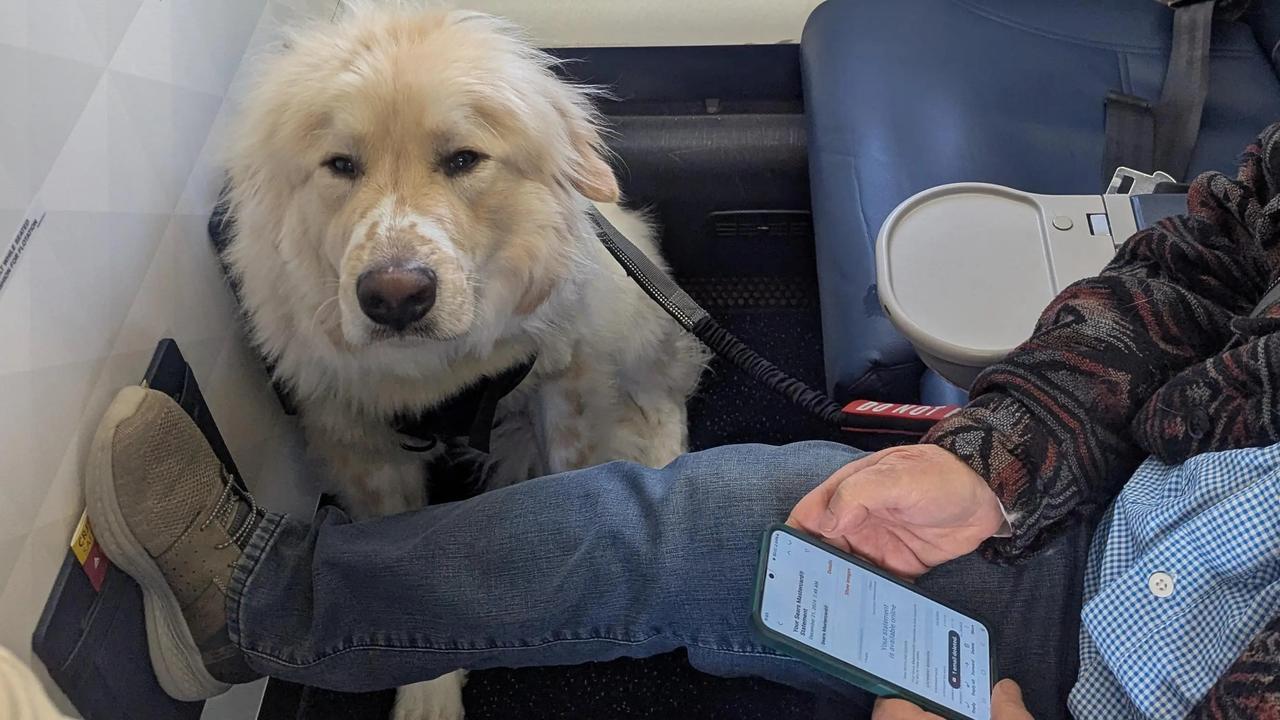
(400, 90)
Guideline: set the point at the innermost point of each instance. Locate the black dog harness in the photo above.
(455, 435)
(469, 414)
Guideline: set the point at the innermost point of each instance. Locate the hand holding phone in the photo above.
(856, 622)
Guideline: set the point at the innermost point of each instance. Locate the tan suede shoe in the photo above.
(167, 513)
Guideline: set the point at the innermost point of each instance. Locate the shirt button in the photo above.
(1160, 584)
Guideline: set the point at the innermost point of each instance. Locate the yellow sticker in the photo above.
(82, 541)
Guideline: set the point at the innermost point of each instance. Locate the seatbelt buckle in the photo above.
(1127, 181)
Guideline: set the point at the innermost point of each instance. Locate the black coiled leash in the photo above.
(857, 416)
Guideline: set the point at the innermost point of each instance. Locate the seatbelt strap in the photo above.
(1186, 85)
(1131, 135)
(1150, 137)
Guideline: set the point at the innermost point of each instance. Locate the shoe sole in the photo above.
(174, 654)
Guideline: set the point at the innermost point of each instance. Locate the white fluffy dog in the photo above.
(410, 191)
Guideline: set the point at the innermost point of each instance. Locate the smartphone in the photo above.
(848, 618)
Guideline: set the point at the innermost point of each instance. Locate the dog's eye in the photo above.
(342, 166)
(461, 162)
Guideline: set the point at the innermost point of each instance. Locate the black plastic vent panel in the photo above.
(774, 224)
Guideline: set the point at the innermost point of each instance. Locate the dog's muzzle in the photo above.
(397, 294)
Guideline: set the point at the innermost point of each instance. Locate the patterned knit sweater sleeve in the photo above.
(1049, 427)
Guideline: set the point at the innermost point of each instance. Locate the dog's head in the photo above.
(421, 167)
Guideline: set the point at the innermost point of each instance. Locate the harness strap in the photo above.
(468, 414)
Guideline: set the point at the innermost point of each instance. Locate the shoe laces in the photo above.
(224, 511)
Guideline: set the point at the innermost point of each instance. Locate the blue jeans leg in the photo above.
(617, 560)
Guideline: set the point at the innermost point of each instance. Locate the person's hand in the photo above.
(1006, 704)
(907, 509)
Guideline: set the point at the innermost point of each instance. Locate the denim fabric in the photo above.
(617, 560)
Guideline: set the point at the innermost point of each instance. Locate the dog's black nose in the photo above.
(397, 294)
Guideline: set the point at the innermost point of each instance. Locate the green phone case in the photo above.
(829, 664)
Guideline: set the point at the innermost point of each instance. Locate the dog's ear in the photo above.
(589, 172)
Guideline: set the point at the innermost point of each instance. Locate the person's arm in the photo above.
(1049, 427)
(1048, 431)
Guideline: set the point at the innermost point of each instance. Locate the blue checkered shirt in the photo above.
(1184, 570)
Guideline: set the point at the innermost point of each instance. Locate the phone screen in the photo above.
(885, 629)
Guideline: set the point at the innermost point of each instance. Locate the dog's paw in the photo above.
(439, 699)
